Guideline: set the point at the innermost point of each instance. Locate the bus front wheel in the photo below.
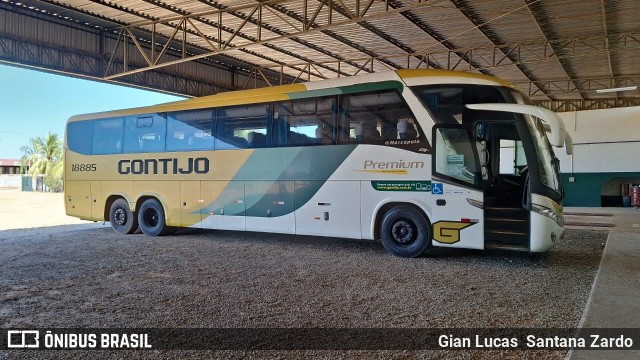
(122, 219)
(405, 232)
(151, 218)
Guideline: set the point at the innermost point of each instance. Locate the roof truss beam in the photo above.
(357, 17)
(508, 55)
(262, 25)
(181, 46)
(564, 86)
(301, 24)
(483, 27)
(221, 44)
(462, 55)
(535, 8)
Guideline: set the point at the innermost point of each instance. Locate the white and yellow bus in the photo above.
(416, 158)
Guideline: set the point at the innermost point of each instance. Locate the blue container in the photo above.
(626, 201)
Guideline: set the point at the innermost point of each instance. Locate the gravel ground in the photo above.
(216, 279)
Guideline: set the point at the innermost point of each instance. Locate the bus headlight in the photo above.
(550, 213)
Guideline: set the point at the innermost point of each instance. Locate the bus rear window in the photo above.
(80, 136)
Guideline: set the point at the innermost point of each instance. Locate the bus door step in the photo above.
(506, 237)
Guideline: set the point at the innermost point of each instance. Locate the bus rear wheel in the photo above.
(405, 232)
(151, 218)
(122, 219)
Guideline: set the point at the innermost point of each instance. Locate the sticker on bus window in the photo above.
(455, 165)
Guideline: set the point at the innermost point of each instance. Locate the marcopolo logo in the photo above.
(164, 166)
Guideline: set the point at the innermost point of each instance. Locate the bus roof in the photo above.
(286, 92)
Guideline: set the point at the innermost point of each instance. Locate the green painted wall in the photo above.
(586, 189)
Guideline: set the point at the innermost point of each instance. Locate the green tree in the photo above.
(45, 158)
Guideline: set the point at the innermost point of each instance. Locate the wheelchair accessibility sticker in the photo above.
(437, 188)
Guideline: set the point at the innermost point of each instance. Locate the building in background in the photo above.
(605, 164)
(10, 166)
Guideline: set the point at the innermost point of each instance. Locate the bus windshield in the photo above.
(547, 161)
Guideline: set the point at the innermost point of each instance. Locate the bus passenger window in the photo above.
(242, 127)
(229, 139)
(107, 136)
(302, 122)
(376, 118)
(366, 133)
(256, 139)
(144, 133)
(190, 130)
(406, 130)
(323, 135)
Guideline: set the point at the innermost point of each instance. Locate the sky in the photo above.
(33, 103)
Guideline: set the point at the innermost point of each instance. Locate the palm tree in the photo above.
(44, 156)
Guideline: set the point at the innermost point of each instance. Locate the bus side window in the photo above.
(301, 122)
(144, 133)
(373, 118)
(242, 127)
(406, 130)
(107, 136)
(366, 132)
(190, 130)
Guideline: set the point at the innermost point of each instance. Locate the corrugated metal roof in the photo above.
(553, 50)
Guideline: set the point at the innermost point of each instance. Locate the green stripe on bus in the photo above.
(278, 181)
(294, 187)
(367, 87)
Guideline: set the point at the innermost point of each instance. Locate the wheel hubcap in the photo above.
(120, 217)
(151, 217)
(403, 232)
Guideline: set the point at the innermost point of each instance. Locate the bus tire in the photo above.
(122, 219)
(151, 218)
(405, 232)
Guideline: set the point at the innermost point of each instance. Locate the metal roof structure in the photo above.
(558, 52)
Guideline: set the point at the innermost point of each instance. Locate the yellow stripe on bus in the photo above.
(413, 73)
(243, 97)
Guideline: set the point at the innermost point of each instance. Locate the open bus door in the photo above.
(520, 160)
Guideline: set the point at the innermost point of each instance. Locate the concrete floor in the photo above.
(615, 297)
